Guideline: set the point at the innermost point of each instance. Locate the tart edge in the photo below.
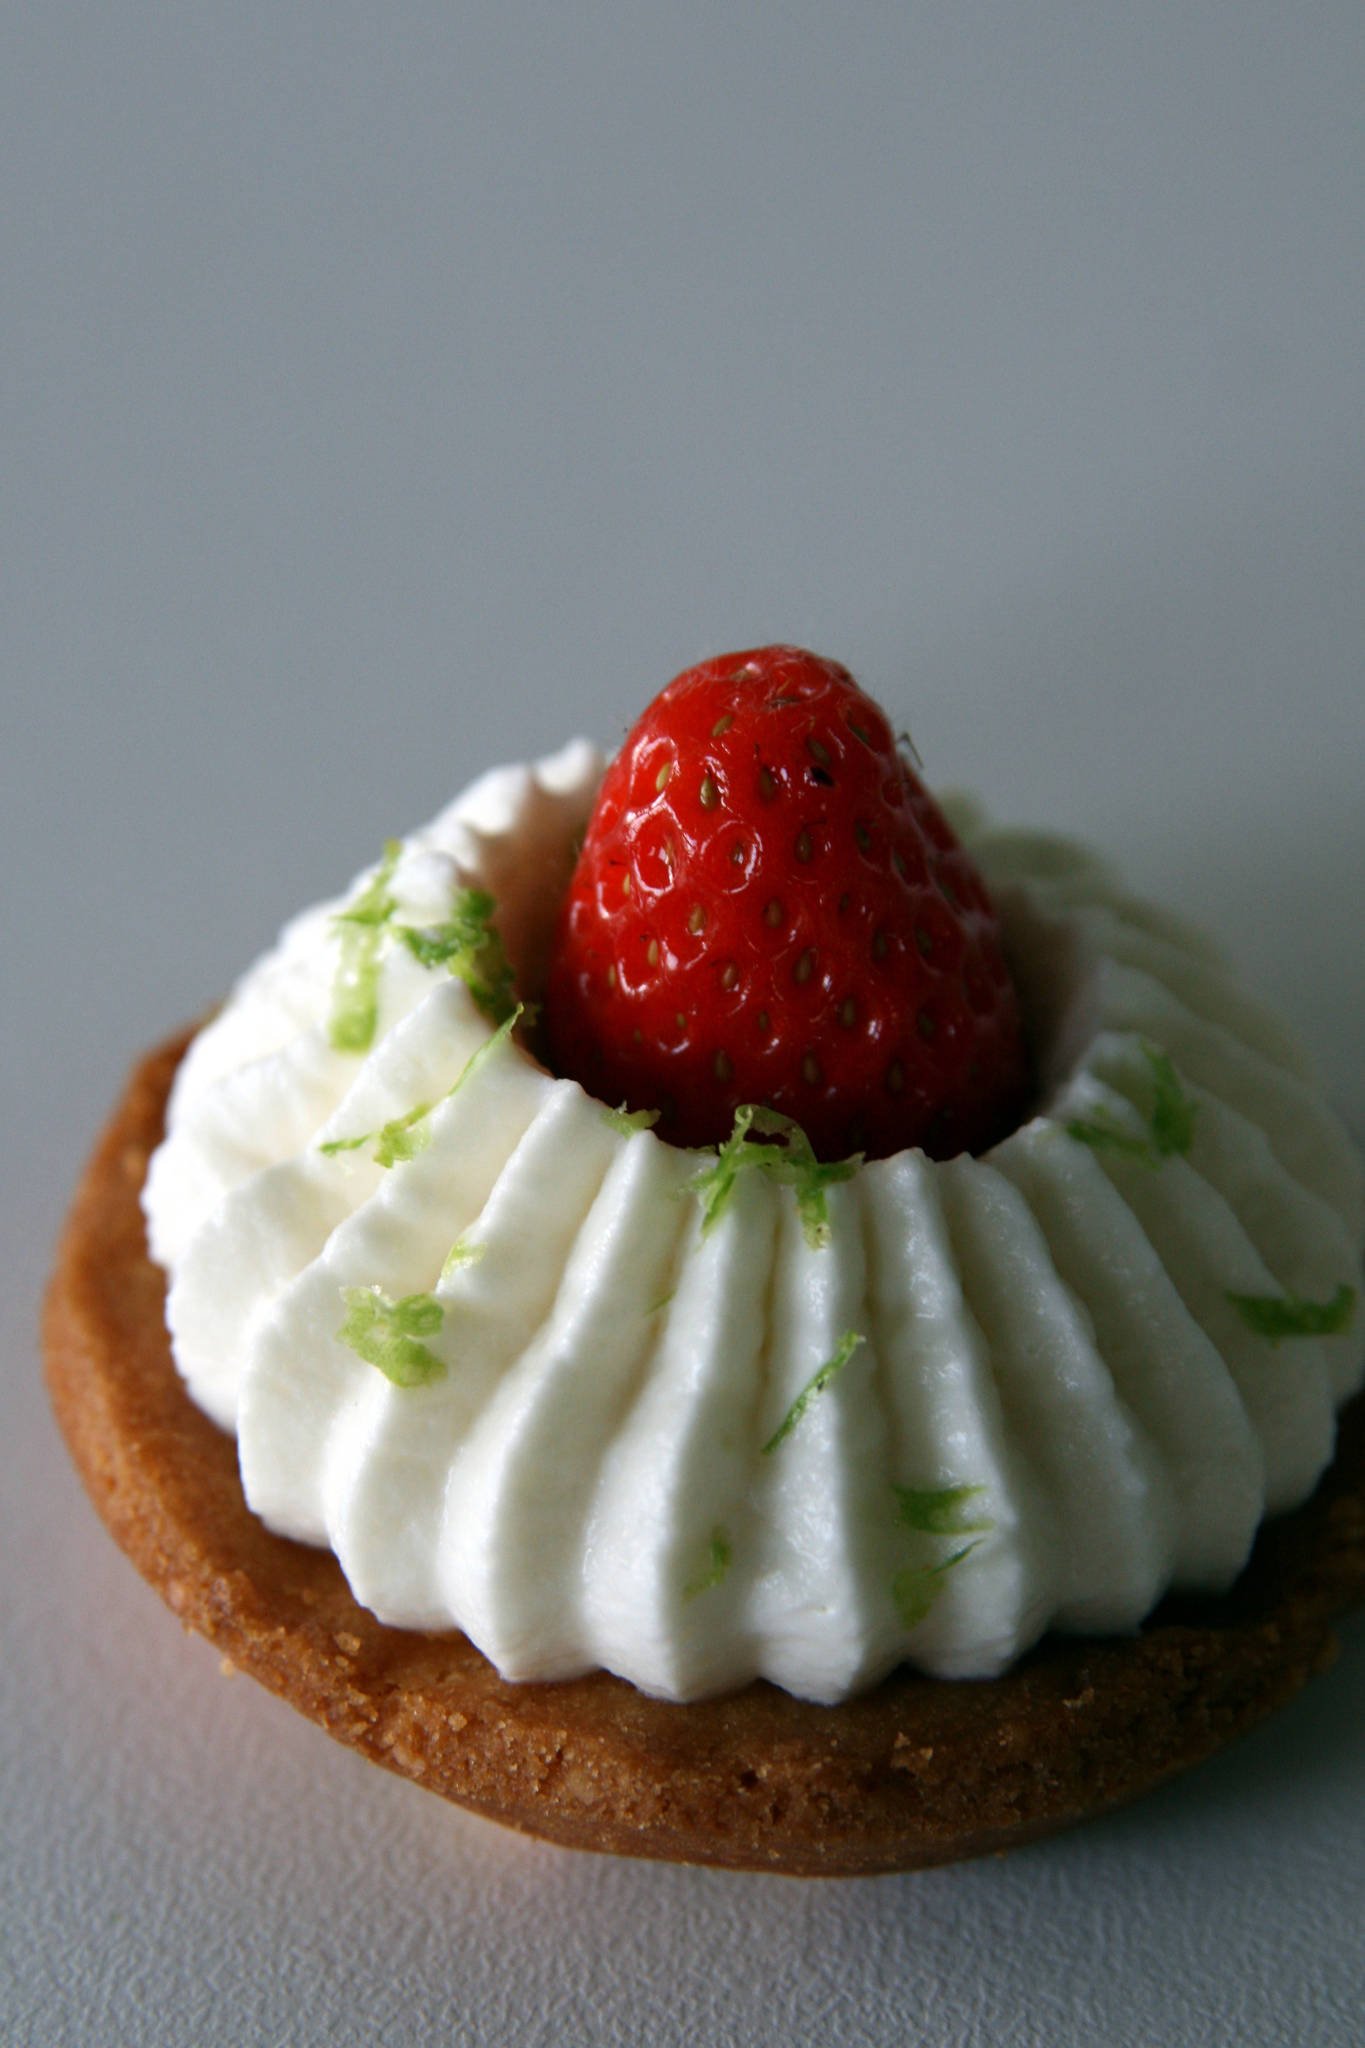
(916, 1772)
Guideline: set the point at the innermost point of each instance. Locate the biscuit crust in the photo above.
(916, 1772)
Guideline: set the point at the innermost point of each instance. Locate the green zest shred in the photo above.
(1102, 1134)
(403, 1137)
(333, 1146)
(939, 1510)
(388, 1334)
(628, 1121)
(1276, 1316)
(791, 1163)
(355, 985)
(482, 1054)
(469, 945)
(462, 1253)
(1170, 1126)
(1172, 1110)
(916, 1589)
(718, 1557)
(933, 1511)
(829, 1371)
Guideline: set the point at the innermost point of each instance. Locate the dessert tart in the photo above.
(805, 1402)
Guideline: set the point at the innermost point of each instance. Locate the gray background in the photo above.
(393, 390)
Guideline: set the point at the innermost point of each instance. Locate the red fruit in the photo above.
(769, 907)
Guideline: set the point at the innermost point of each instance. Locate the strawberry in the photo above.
(770, 908)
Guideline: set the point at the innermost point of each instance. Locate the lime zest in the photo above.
(1170, 1127)
(791, 1163)
(1275, 1316)
(934, 1511)
(719, 1555)
(1172, 1110)
(482, 1054)
(467, 943)
(387, 1333)
(360, 927)
(374, 906)
(401, 1138)
(628, 1121)
(470, 946)
(917, 1587)
(1102, 1134)
(331, 1146)
(829, 1371)
(462, 1253)
(939, 1510)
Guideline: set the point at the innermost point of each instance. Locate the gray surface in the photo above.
(392, 391)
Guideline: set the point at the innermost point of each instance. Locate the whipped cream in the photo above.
(499, 1351)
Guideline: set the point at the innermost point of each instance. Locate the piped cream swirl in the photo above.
(520, 1389)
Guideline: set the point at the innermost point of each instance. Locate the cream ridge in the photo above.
(598, 1402)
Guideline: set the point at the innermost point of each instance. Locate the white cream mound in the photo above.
(520, 1390)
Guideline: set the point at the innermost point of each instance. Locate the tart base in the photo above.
(916, 1772)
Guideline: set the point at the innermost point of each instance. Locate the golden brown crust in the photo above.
(916, 1772)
